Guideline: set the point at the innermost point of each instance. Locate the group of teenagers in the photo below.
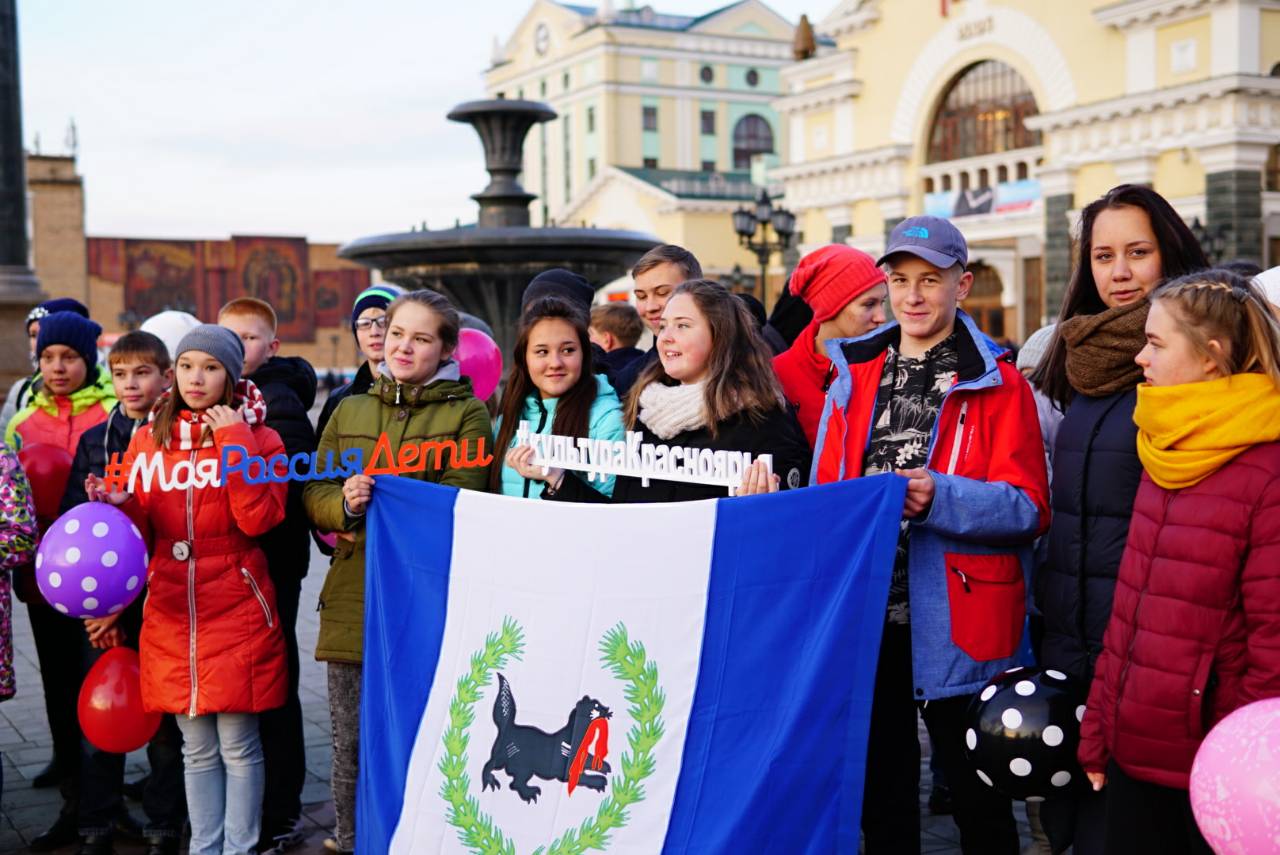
(1108, 499)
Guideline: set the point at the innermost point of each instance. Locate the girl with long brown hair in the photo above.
(1130, 241)
(712, 387)
(551, 386)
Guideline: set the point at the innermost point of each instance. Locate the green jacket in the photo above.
(442, 409)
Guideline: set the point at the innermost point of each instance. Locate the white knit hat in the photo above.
(1037, 343)
(1269, 282)
(170, 326)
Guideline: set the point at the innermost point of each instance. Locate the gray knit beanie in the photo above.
(1037, 343)
(220, 343)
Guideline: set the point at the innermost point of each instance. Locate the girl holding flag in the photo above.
(551, 385)
(418, 396)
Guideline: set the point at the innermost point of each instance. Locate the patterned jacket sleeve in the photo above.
(17, 513)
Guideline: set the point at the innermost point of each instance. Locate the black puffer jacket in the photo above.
(361, 383)
(1095, 478)
(779, 434)
(288, 383)
(95, 446)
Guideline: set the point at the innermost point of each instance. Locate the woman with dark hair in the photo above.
(1131, 240)
(712, 387)
(552, 387)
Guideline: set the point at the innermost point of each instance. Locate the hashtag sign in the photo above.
(116, 479)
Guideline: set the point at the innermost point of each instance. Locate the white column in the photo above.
(1236, 39)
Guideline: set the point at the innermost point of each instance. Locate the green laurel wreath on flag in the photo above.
(630, 664)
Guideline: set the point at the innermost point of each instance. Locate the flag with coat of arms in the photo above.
(542, 677)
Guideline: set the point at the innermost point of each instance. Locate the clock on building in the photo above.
(541, 39)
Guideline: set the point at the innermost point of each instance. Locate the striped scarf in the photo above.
(189, 428)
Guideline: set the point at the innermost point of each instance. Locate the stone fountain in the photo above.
(483, 268)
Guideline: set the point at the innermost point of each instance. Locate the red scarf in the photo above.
(189, 427)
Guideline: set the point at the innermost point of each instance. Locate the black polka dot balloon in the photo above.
(1024, 727)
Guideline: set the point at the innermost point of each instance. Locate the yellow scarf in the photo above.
(1188, 432)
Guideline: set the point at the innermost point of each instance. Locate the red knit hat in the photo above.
(829, 278)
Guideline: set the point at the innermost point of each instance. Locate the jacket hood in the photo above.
(292, 371)
(447, 384)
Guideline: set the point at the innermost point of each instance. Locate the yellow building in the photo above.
(660, 116)
(1010, 115)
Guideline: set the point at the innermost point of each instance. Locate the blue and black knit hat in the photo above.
(374, 297)
(70, 329)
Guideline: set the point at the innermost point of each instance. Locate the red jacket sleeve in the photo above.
(257, 508)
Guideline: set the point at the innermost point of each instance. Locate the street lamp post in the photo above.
(1212, 241)
(747, 222)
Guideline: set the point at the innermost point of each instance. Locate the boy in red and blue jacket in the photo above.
(934, 400)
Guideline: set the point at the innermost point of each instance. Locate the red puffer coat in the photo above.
(1195, 629)
(211, 639)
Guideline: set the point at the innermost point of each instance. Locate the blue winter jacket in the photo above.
(606, 423)
(969, 560)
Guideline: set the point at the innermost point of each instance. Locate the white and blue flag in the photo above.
(548, 677)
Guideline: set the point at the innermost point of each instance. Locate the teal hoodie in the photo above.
(606, 423)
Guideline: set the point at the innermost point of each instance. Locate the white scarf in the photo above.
(672, 410)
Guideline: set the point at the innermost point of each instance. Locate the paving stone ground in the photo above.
(25, 744)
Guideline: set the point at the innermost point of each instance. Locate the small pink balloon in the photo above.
(329, 538)
(480, 359)
(1235, 781)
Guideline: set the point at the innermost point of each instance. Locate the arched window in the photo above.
(751, 136)
(983, 113)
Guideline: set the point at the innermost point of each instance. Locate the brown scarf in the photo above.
(1101, 348)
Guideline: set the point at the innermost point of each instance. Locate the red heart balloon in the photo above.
(47, 467)
(111, 714)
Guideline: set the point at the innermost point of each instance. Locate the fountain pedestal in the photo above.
(483, 269)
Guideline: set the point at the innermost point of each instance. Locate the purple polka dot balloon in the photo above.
(92, 562)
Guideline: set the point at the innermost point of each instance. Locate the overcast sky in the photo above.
(315, 118)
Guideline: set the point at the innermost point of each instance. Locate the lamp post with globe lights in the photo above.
(752, 226)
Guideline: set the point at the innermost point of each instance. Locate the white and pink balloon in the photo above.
(1235, 782)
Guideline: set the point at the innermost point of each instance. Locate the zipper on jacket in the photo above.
(964, 580)
(957, 445)
(191, 593)
(257, 592)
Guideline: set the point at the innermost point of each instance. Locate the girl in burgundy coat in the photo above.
(1195, 629)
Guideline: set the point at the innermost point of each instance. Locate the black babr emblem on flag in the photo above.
(523, 751)
(622, 656)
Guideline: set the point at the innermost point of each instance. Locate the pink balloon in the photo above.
(1235, 781)
(329, 538)
(480, 359)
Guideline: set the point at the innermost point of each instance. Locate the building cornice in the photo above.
(842, 163)
(1155, 100)
(850, 17)
(1132, 13)
(834, 62)
(816, 99)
